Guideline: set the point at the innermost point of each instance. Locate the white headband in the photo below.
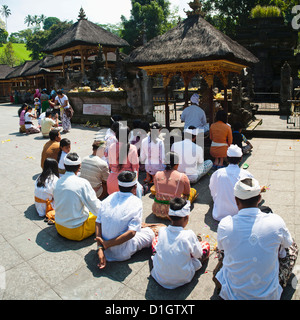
(183, 212)
(194, 132)
(234, 151)
(128, 184)
(69, 162)
(243, 191)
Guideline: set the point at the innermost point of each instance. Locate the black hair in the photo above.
(251, 202)
(237, 126)
(188, 134)
(73, 157)
(97, 143)
(145, 126)
(155, 127)
(50, 168)
(115, 127)
(176, 204)
(136, 124)
(53, 134)
(115, 118)
(234, 160)
(126, 176)
(172, 159)
(63, 143)
(59, 92)
(222, 116)
(24, 107)
(48, 113)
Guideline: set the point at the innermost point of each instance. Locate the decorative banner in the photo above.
(97, 109)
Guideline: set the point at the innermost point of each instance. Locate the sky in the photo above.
(98, 11)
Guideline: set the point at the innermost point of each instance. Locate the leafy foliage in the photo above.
(227, 15)
(148, 19)
(38, 40)
(8, 56)
(265, 12)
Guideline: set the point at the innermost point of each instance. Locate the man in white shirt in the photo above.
(252, 242)
(119, 231)
(191, 159)
(95, 170)
(76, 203)
(194, 115)
(223, 181)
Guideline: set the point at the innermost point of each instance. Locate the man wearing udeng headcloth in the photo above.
(254, 244)
(76, 203)
(119, 230)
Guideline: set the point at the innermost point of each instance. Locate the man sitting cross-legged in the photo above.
(259, 252)
(119, 229)
(76, 203)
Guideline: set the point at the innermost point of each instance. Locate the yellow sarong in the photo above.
(79, 233)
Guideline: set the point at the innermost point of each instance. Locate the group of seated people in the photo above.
(47, 118)
(101, 194)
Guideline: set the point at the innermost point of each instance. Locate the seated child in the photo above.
(65, 148)
(43, 192)
(178, 252)
(239, 138)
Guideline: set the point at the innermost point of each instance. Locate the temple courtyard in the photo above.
(37, 263)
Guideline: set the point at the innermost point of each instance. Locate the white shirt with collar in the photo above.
(193, 116)
(120, 212)
(190, 156)
(177, 257)
(221, 187)
(251, 241)
(74, 199)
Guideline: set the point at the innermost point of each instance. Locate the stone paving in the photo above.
(37, 263)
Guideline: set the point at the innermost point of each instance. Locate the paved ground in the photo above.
(40, 264)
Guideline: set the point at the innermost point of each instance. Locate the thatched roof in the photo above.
(194, 39)
(84, 32)
(5, 70)
(19, 71)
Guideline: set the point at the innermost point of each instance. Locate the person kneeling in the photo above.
(119, 231)
(178, 253)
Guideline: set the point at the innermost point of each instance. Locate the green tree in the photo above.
(227, 15)
(5, 11)
(3, 36)
(15, 38)
(49, 22)
(28, 20)
(39, 38)
(148, 19)
(25, 34)
(286, 7)
(8, 55)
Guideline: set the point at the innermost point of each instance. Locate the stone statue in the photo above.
(286, 88)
